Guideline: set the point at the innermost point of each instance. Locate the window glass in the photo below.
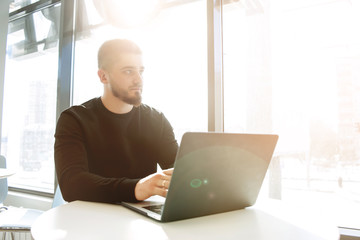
(293, 68)
(30, 88)
(175, 58)
(17, 4)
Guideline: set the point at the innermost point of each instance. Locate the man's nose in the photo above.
(138, 76)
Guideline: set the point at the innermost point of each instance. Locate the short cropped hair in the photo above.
(111, 50)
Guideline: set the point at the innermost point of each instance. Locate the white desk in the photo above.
(4, 173)
(85, 220)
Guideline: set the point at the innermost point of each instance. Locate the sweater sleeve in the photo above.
(76, 182)
(169, 145)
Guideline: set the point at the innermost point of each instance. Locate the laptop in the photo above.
(213, 173)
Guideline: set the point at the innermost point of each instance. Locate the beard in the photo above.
(124, 96)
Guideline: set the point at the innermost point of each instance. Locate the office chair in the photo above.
(15, 223)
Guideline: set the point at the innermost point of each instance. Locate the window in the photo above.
(29, 108)
(18, 4)
(293, 68)
(175, 56)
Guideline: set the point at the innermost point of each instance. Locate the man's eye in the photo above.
(132, 71)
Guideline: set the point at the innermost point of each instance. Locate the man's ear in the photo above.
(103, 76)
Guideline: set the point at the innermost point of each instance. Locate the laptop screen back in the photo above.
(217, 172)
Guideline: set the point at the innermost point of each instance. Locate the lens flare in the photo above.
(195, 183)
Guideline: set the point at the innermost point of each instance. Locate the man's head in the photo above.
(110, 51)
(120, 70)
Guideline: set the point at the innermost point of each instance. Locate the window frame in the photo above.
(66, 58)
(13, 16)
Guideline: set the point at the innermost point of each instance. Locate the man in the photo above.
(108, 148)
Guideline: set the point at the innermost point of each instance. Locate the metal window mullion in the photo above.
(32, 8)
(215, 67)
(66, 55)
(66, 58)
(4, 19)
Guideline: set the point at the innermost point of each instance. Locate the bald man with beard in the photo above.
(107, 149)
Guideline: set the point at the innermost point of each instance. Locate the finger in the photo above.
(162, 176)
(167, 178)
(161, 192)
(168, 172)
(164, 183)
(167, 184)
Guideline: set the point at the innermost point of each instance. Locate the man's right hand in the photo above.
(154, 184)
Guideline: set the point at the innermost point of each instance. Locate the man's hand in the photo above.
(154, 184)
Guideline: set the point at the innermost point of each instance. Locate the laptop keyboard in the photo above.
(155, 208)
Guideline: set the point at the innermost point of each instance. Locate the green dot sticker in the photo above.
(195, 183)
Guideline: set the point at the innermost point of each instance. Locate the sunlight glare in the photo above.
(136, 12)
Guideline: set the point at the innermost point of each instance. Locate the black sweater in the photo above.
(100, 155)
